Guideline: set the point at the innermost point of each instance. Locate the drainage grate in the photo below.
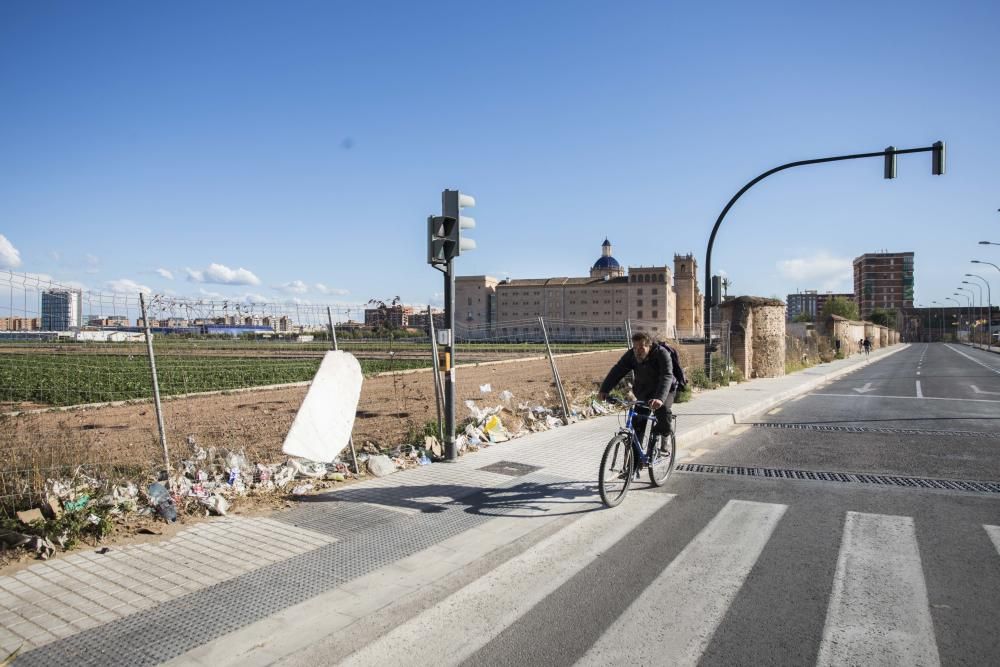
(868, 429)
(510, 468)
(848, 477)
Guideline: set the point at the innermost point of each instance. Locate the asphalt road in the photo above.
(741, 570)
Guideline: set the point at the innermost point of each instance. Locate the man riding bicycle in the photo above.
(654, 382)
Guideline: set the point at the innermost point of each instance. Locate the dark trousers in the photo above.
(662, 414)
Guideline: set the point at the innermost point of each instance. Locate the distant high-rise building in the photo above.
(883, 280)
(62, 309)
(811, 302)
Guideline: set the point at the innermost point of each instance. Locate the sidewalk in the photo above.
(258, 591)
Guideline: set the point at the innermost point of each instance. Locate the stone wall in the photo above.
(883, 336)
(757, 335)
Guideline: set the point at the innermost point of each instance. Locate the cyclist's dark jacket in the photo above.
(654, 376)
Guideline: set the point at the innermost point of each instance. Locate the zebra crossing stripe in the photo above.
(467, 620)
(674, 619)
(878, 611)
(994, 533)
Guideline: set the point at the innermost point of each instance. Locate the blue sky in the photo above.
(293, 150)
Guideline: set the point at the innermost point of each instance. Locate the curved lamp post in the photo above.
(980, 309)
(990, 327)
(958, 317)
(989, 310)
(941, 306)
(968, 307)
(937, 150)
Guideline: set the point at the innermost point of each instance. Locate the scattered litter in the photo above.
(28, 516)
(506, 396)
(381, 465)
(485, 388)
(160, 499)
(217, 504)
(302, 489)
(103, 550)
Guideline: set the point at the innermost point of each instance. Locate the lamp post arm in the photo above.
(715, 229)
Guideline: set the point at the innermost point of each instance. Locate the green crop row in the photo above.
(74, 379)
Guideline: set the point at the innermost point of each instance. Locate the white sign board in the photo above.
(322, 427)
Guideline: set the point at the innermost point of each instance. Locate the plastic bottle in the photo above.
(162, 501)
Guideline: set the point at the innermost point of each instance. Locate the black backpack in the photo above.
(680, 380)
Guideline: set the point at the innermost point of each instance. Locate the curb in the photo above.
(696, 435)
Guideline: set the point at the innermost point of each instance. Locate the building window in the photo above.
(638, 314)
(639, 303)
(656, 302)
(655, 314)
(655, 291)
(639, 291)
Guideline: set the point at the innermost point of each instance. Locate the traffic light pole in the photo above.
(450, 450)
(889, 155)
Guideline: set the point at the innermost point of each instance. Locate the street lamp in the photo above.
(980, 289)
(988, 243)
(941, 305)
(958, 316)
(989, 310)
(937, 151)
(990, 318)
(968, 308)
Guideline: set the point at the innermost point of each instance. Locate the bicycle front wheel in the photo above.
(662, 463)
(615, 476)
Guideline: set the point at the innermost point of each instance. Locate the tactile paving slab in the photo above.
(179, 625)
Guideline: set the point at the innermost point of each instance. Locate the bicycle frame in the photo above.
(637, 447)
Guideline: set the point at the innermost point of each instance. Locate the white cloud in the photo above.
(165, 273)
(323, 289)
(293, 287)
(255, 298)
(93, 263)
(126, 286)
(222, 275)
(820, 271)
(10, 258)
(213, 296)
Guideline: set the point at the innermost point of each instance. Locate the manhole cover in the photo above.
(510, 468)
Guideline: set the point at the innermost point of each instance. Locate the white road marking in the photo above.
(865, 389)
(798, 398)
(774, 411)
(977, 390)
(973, 359)
(920, 394)
(913, 398)
(994, 533)
(458, 626)
(674, 619)
(878, 611)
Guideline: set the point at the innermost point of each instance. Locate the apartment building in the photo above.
(811, 302)
(883, 280)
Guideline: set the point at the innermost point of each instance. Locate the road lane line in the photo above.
(920, 394)
(674, 619)
(468, 619)
(878, 611)
(973, 359)
(911, 398)
(994, 533)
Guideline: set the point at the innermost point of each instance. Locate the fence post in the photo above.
(628, 333)
(156, 383)
(555, 373)
(435, 369)
(333, 342)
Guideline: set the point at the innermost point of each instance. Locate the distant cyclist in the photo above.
(654, 381)
(867, 344)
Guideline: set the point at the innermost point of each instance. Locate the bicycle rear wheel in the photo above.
(615, 476)
(662, 463)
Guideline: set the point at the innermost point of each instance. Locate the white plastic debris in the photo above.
(381, 465)
(506, 396)
(485, 388)
(302, 489)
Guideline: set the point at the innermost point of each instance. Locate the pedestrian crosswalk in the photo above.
(877, 607)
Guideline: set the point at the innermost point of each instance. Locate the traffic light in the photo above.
(442, 239)
(452, 203)
(890, 162)
(937, 158)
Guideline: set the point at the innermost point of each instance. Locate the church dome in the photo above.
(606, 262)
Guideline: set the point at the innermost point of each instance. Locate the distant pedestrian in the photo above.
(868, 347)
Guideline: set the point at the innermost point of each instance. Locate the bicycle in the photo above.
(625, 457)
